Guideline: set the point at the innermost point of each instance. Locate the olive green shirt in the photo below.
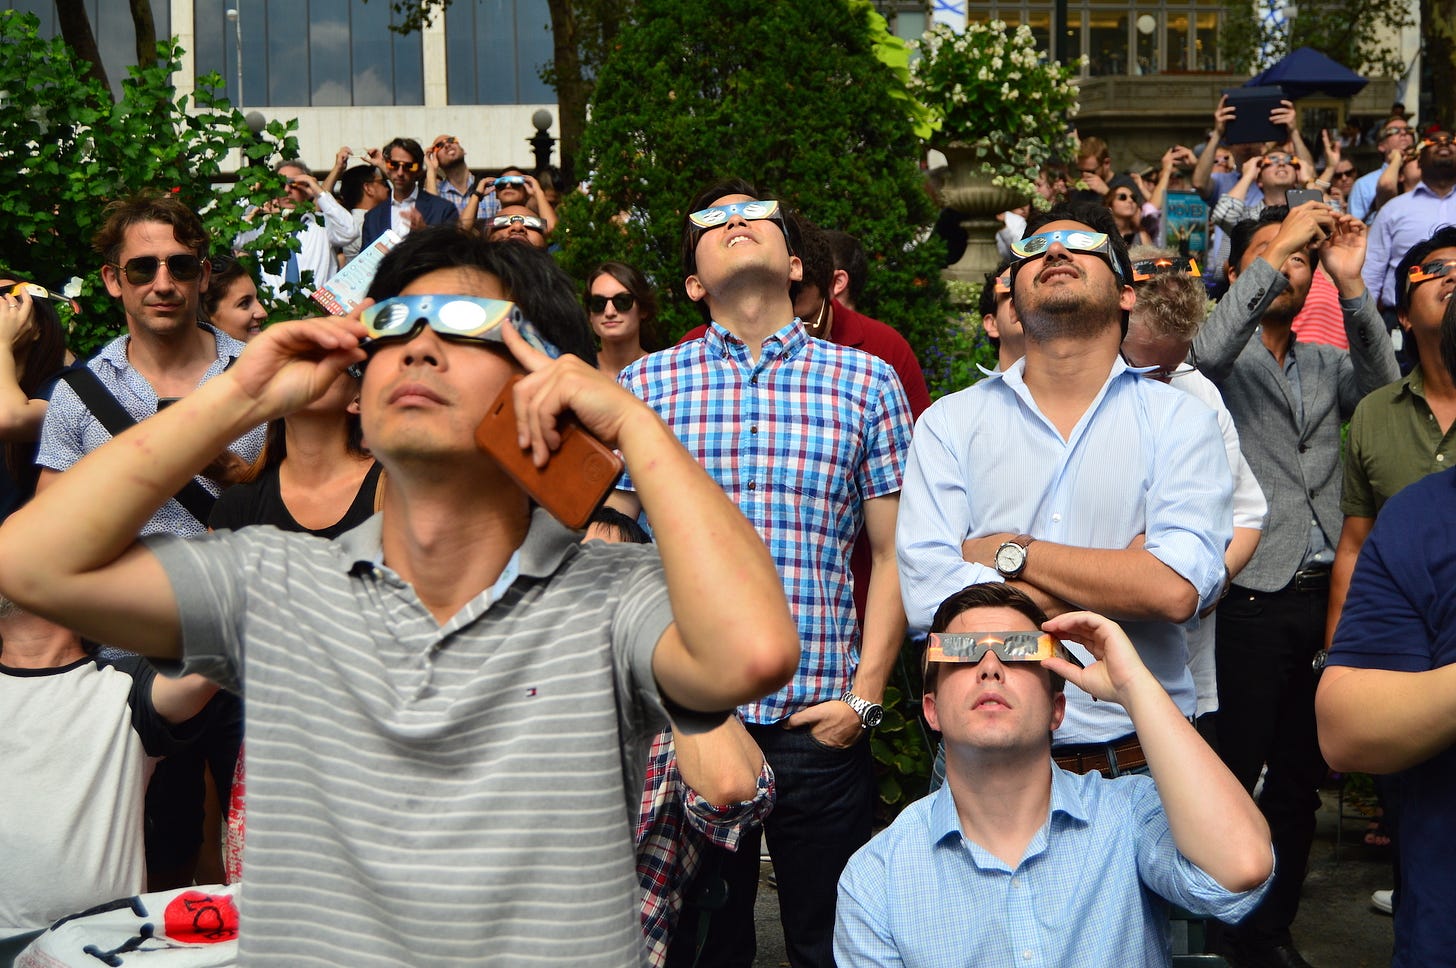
(1394, 441)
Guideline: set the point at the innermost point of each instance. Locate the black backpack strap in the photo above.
(114, 417)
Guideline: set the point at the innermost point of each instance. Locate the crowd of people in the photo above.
(405, 706)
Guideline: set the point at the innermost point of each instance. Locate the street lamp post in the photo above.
(542, 142)
(235, 18)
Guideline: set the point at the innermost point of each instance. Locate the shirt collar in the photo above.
(785, 343)
(408, 199)
(1067, 802)
(1015, 375)
(547, 544)
(1413, 383)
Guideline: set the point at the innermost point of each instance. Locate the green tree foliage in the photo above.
(70, 150)
(1361, 34)
(788, 95)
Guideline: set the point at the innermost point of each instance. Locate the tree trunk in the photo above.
(1438, 27)
(76, 32)
(146, 32)
(573, 90)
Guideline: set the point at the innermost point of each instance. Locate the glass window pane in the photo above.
(533, 51)
(212, 44)
(373, 64)
(460, 59)
(330, 80)
(1205, 41)
(495, 51)
(409, 69)
(1177, 41)
(910, 25)
(287, 49)
(1107, 39)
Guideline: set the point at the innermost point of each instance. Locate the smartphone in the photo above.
(1295, 197)
(574, 482)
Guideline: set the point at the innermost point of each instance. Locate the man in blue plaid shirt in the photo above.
(809, 440)
(1015, 861)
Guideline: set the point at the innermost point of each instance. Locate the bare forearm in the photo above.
(1214, 822)
(178, 700)
(1377, 721)
(1240, 550)
(1127, 584)
(20, 416)
(65, 531)
(722, 765)
(1347, 552)
(884, 631)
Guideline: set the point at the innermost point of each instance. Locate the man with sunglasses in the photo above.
(517, 223)
(327, 228)
(1018, 861)
(808, 439)
(403, 163)
(1076, 478)
(449, 706)
(1407, 219)
(446, 173)
(1288, 399)
(153, 250)
(511, 188)
(1396, 136)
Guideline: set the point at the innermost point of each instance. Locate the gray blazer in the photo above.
(1298, 469)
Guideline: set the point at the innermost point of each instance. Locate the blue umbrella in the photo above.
(1306, 71)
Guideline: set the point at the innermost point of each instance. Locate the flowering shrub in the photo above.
(991, 88)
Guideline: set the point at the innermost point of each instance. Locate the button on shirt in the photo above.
(1145, 459)
(1090, 889)
(799, 440)
(1395, 440)
(397, 208)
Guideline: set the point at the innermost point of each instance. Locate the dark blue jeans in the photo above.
(824, 813)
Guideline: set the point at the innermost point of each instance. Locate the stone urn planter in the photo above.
(971, 193)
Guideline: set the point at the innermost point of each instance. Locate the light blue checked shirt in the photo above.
(799, 440)
(1092, 889)
(1144, 459)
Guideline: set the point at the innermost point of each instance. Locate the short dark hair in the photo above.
(1243, 234)
(1443, 238)
(691, 234)
(988, 300)
(353, 182)
(408, 144)
(994, 594)
(628, 530)
(636, 283)
(123, 213)
(226, 269)
(533, 280)
(816, 256)
(849, 256)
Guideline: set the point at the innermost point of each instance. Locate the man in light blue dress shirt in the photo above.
(1081, 481)
(1015, 861)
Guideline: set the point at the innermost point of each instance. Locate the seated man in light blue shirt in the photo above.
(1015, 861)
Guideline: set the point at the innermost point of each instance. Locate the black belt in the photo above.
(1315, 578)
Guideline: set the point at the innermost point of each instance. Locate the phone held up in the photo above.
(1295, 197)
(576, 479)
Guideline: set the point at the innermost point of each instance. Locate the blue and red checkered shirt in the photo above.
(673, 824)
(799, 440)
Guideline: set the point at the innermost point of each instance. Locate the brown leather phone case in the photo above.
(577, 478)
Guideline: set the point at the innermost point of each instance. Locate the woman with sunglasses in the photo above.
(231, 302)
(1137, 221)
(32, 352)
(622, 308)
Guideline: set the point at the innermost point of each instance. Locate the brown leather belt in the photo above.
(1109, 759)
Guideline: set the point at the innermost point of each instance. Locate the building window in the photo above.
(111, 24)
(309, 53)
(1118, 37)
(495, 50)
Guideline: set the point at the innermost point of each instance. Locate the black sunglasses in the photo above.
(622, 300)
(143, 269)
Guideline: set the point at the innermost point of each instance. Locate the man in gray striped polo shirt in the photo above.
(448, 706)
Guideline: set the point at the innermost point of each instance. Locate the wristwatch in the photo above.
(869, 713)
(1011, 556)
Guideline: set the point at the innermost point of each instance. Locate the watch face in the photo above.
(1010, 557)
(873, 715)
